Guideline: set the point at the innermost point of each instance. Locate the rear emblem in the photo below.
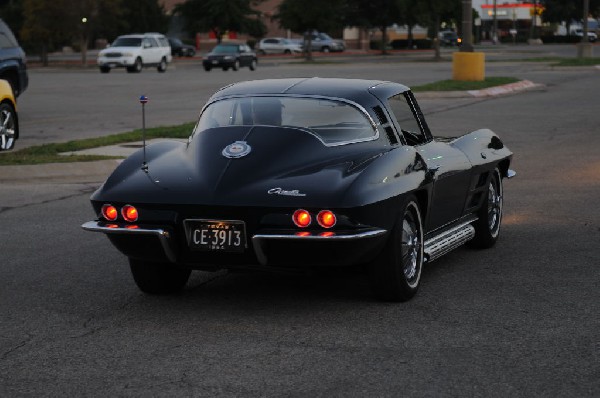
(236, 150)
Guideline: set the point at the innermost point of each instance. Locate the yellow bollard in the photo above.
(468, 66)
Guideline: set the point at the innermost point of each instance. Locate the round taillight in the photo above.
(326, 219)
(129, 213)
(109, 212)
(301, 218)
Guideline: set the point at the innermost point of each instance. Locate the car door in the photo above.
(448, 167)
(152, 50)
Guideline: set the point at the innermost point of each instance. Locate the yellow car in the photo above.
(9, 123)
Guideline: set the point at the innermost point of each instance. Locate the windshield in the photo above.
(127, 42)
(333, 122)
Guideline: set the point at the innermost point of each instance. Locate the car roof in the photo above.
(352, 89)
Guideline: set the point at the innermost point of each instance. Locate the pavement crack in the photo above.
(82, 191)
(22, 344)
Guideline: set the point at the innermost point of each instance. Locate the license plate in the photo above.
(214, 61)
(216, 235)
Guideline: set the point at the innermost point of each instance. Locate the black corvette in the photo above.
(304, 173)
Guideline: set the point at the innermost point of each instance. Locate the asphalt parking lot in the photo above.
(520, 319)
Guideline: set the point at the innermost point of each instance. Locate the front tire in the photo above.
(396, 273)
(8, 127)
(236, 65)
(105, 69)
(487, 226)
(253, 65)
(158, 278)
(136, 67)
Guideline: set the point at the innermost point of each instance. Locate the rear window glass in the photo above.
(332, 121)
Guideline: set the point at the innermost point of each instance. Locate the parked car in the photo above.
(9, 121)
(230, 55)
(592, 36)
(135, 52)
(449, 38)
(304, 173)
(13, 65)
(180, 49)
(323, 42)
(278, 45)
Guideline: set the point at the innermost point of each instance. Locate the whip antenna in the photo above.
(143, 101)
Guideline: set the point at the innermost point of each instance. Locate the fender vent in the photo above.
(391, 136)
(380, 115)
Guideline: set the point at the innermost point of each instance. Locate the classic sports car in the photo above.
(304, 173)
(9, 123)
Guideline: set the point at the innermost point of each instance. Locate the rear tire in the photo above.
(104, 69)
(162, 66)
(207, 68)
(158, 278)
(236, 65)
(396, 272)
(487, 226)
(253, 65)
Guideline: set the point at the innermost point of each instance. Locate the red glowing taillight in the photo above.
(109, 212)
(301, 218)
(129, 213)
(326, 219)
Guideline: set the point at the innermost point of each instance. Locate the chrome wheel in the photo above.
(411, 246)
(8, 127)
(396, 273)
(494, 207)
(489, 214)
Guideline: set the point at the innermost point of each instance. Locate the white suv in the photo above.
(135, 52)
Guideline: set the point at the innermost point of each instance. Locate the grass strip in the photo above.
(50, 153)
(456, 85)
(578, 62)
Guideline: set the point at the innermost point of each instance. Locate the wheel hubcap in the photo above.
(7, 129)
(411, 248)
(494, 208)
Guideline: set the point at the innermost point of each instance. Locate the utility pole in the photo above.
(495, 26)
(586, 11)
(467, 26)
(585, 48)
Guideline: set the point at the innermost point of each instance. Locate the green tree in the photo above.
(11, 12)
(46, 25)
(306, 16)
(220, 16)
(143, 16)
(557, 11)
(441, 10)
(94, 18)
(378, 14)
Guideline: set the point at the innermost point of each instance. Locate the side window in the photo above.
(407, 120)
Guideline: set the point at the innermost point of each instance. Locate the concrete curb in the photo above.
(511, 88)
